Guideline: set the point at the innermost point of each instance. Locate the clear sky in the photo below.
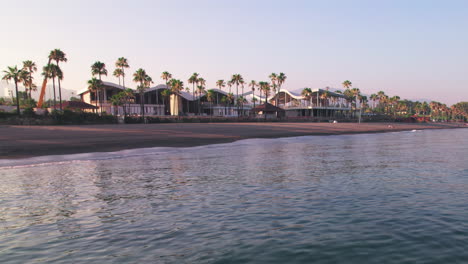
(411, 48)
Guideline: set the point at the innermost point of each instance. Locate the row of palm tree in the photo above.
(25, 76)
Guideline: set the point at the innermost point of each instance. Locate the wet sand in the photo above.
(30, 141)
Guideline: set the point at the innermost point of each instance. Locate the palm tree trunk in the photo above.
(193, 90)
(237, 97)
(30, 84)
(123, 78)
(17, 98)
(60, 93)
(142, 108)
(53, 85)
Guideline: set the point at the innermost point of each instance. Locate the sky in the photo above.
(415, 49)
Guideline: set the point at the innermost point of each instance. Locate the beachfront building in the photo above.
(224, 105)
(156, 103)
(133, 107)
(315, 103)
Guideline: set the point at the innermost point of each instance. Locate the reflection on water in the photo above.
(392, 198)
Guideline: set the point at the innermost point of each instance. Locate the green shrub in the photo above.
(28, 112)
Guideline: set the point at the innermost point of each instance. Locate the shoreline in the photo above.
(19, 142)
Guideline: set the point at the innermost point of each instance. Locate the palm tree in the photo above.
(99, 68)
(17, 75)
(210, 94)
(374, 98)
(128, 98)
(280, 79)
(116, 101)
(29, 67)
(237, 79)
(177, 86)
(122, 64)
(145, 81)
(244, 100)
(224, 101)
(347, 84)
(220, 84)
(58, 56)
(52, 71)
(254, 100)
(94, 85)
(252, 85)
(165, 94)
(307, 94)
(230, 100)
(265, 87)
(166, 76)
(118, 73)
(194, 81)
(201, 89)
(273, 77)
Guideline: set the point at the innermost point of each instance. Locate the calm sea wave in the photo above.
(374, 198)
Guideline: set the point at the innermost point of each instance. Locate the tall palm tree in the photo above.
(201, 89)
(307, 94)
(252, 85)
(122, 63)
(166, 76)
(220, 84)
(243, 100)
(128, 98)
(265, 87)
(224, 100)
(29, 67)
(99, 68)
(254, 100)
(16, 75)
(53, 71)
(347, 84)
(165, 94)
(194, 81)
(145, 81)
(118, 73)
(237, 79)
(58, 56)
(177, 86)
(210, 94)
(94, 85)
(230, 100)
(374, 98)
(280, 79)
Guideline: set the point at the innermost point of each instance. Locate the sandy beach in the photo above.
(30, 141)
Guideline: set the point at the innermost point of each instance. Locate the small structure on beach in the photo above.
(269, 110)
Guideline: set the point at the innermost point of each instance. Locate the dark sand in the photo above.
(30, 141)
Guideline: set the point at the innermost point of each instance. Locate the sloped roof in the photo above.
(108, 84)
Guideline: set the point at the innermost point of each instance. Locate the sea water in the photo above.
(372, 198)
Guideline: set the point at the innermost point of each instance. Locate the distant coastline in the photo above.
(30, 141)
